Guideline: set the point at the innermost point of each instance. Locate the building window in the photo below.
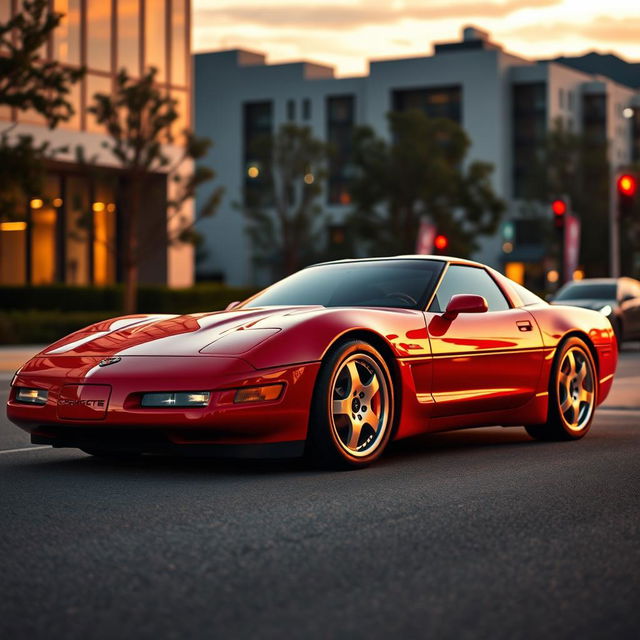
(257, 130)
(96, 84)
(570, 100)
(99, 35)
(594, 118)
(66, 38)
(306, 109)
(291, 110)
(179, 53)
(635, 135)
(436, 102)
(155, 37)
(529, 130)
(13, 251)
(77, 229)
(561, 98)
(340, 125)
(129, 36)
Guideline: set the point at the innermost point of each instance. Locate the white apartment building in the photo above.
(505, 103)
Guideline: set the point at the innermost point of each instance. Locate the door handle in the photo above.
(524, 325)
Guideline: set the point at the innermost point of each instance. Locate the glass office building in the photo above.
(69, 233)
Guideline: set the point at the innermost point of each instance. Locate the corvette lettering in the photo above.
(81, 403)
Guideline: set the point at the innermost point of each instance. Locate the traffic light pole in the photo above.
(614, 228)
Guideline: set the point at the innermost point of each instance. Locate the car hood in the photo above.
(586, 303)
(217, 333)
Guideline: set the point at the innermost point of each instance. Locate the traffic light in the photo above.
(627, 188)
(440, 242)
(559, 207)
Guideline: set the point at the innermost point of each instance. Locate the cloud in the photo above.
(341, 17)
(601, 29)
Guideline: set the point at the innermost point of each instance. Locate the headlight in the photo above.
(176, 399)
(259, 394)
(606, 310)
(31, 396)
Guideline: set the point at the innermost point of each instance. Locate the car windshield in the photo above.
(601, 291)
(406, 284)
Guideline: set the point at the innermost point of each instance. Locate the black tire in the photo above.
(573, 394)
(353, 408)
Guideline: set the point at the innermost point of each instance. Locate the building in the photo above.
(48, 244)
(505, 103)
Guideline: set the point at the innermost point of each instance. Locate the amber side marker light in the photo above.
(259, 394)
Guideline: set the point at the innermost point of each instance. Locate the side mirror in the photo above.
(465, 303)
(232, 305)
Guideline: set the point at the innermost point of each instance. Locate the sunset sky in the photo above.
(347, 33)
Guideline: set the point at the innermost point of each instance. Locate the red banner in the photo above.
(571, 246)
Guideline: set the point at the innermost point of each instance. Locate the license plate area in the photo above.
(83, 401)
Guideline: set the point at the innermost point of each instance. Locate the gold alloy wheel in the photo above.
(576, 389)
(359, 409)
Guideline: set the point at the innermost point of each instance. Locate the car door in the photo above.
(481, 361)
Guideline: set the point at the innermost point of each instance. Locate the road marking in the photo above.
(45, 446)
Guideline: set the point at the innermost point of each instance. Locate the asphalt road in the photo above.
(472, 534)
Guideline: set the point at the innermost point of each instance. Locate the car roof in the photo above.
(432, 258)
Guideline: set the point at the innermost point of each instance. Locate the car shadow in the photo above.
(422, 446)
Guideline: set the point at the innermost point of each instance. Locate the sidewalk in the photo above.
(624, 395)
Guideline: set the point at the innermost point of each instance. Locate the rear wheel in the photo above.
(353, 407)
(573, 391)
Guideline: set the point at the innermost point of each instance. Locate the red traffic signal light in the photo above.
(440, 242)
(559, 207)
(627, 185)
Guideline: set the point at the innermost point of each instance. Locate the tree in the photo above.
(284, 219)
(139, 118)
(576, 165)
(420, 173)
(27, 81)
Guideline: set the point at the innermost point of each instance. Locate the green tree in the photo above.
(576, 165)
(28, 82)
(420, 173)
(139, 119)
(283, 216)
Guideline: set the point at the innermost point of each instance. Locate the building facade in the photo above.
(70, 233)
(505, 103)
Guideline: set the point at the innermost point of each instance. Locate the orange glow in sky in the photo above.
(347, 33)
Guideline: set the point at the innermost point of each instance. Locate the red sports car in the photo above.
(333, 362)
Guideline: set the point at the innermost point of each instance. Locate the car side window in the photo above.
(463, 279)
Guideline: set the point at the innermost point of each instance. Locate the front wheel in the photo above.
(353, 407)
(573, 392)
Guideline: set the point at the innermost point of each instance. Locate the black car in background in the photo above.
(616, 298)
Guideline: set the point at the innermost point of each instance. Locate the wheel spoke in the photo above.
(354, 374)
(354, 434)
(372, 419)
(341, 406)
(582, 373)
(372, 388)
(571, 359)
(585, 396)
(563, 379)
(565, 404)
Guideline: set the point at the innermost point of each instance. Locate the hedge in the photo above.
(45, 314)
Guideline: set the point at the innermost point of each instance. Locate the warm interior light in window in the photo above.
(578, 274)
(98, 206)
(308, 178)
(253, 172)
(552, 276)
(57, 202)
(111, 207)
(36, 203)
(13, 226)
